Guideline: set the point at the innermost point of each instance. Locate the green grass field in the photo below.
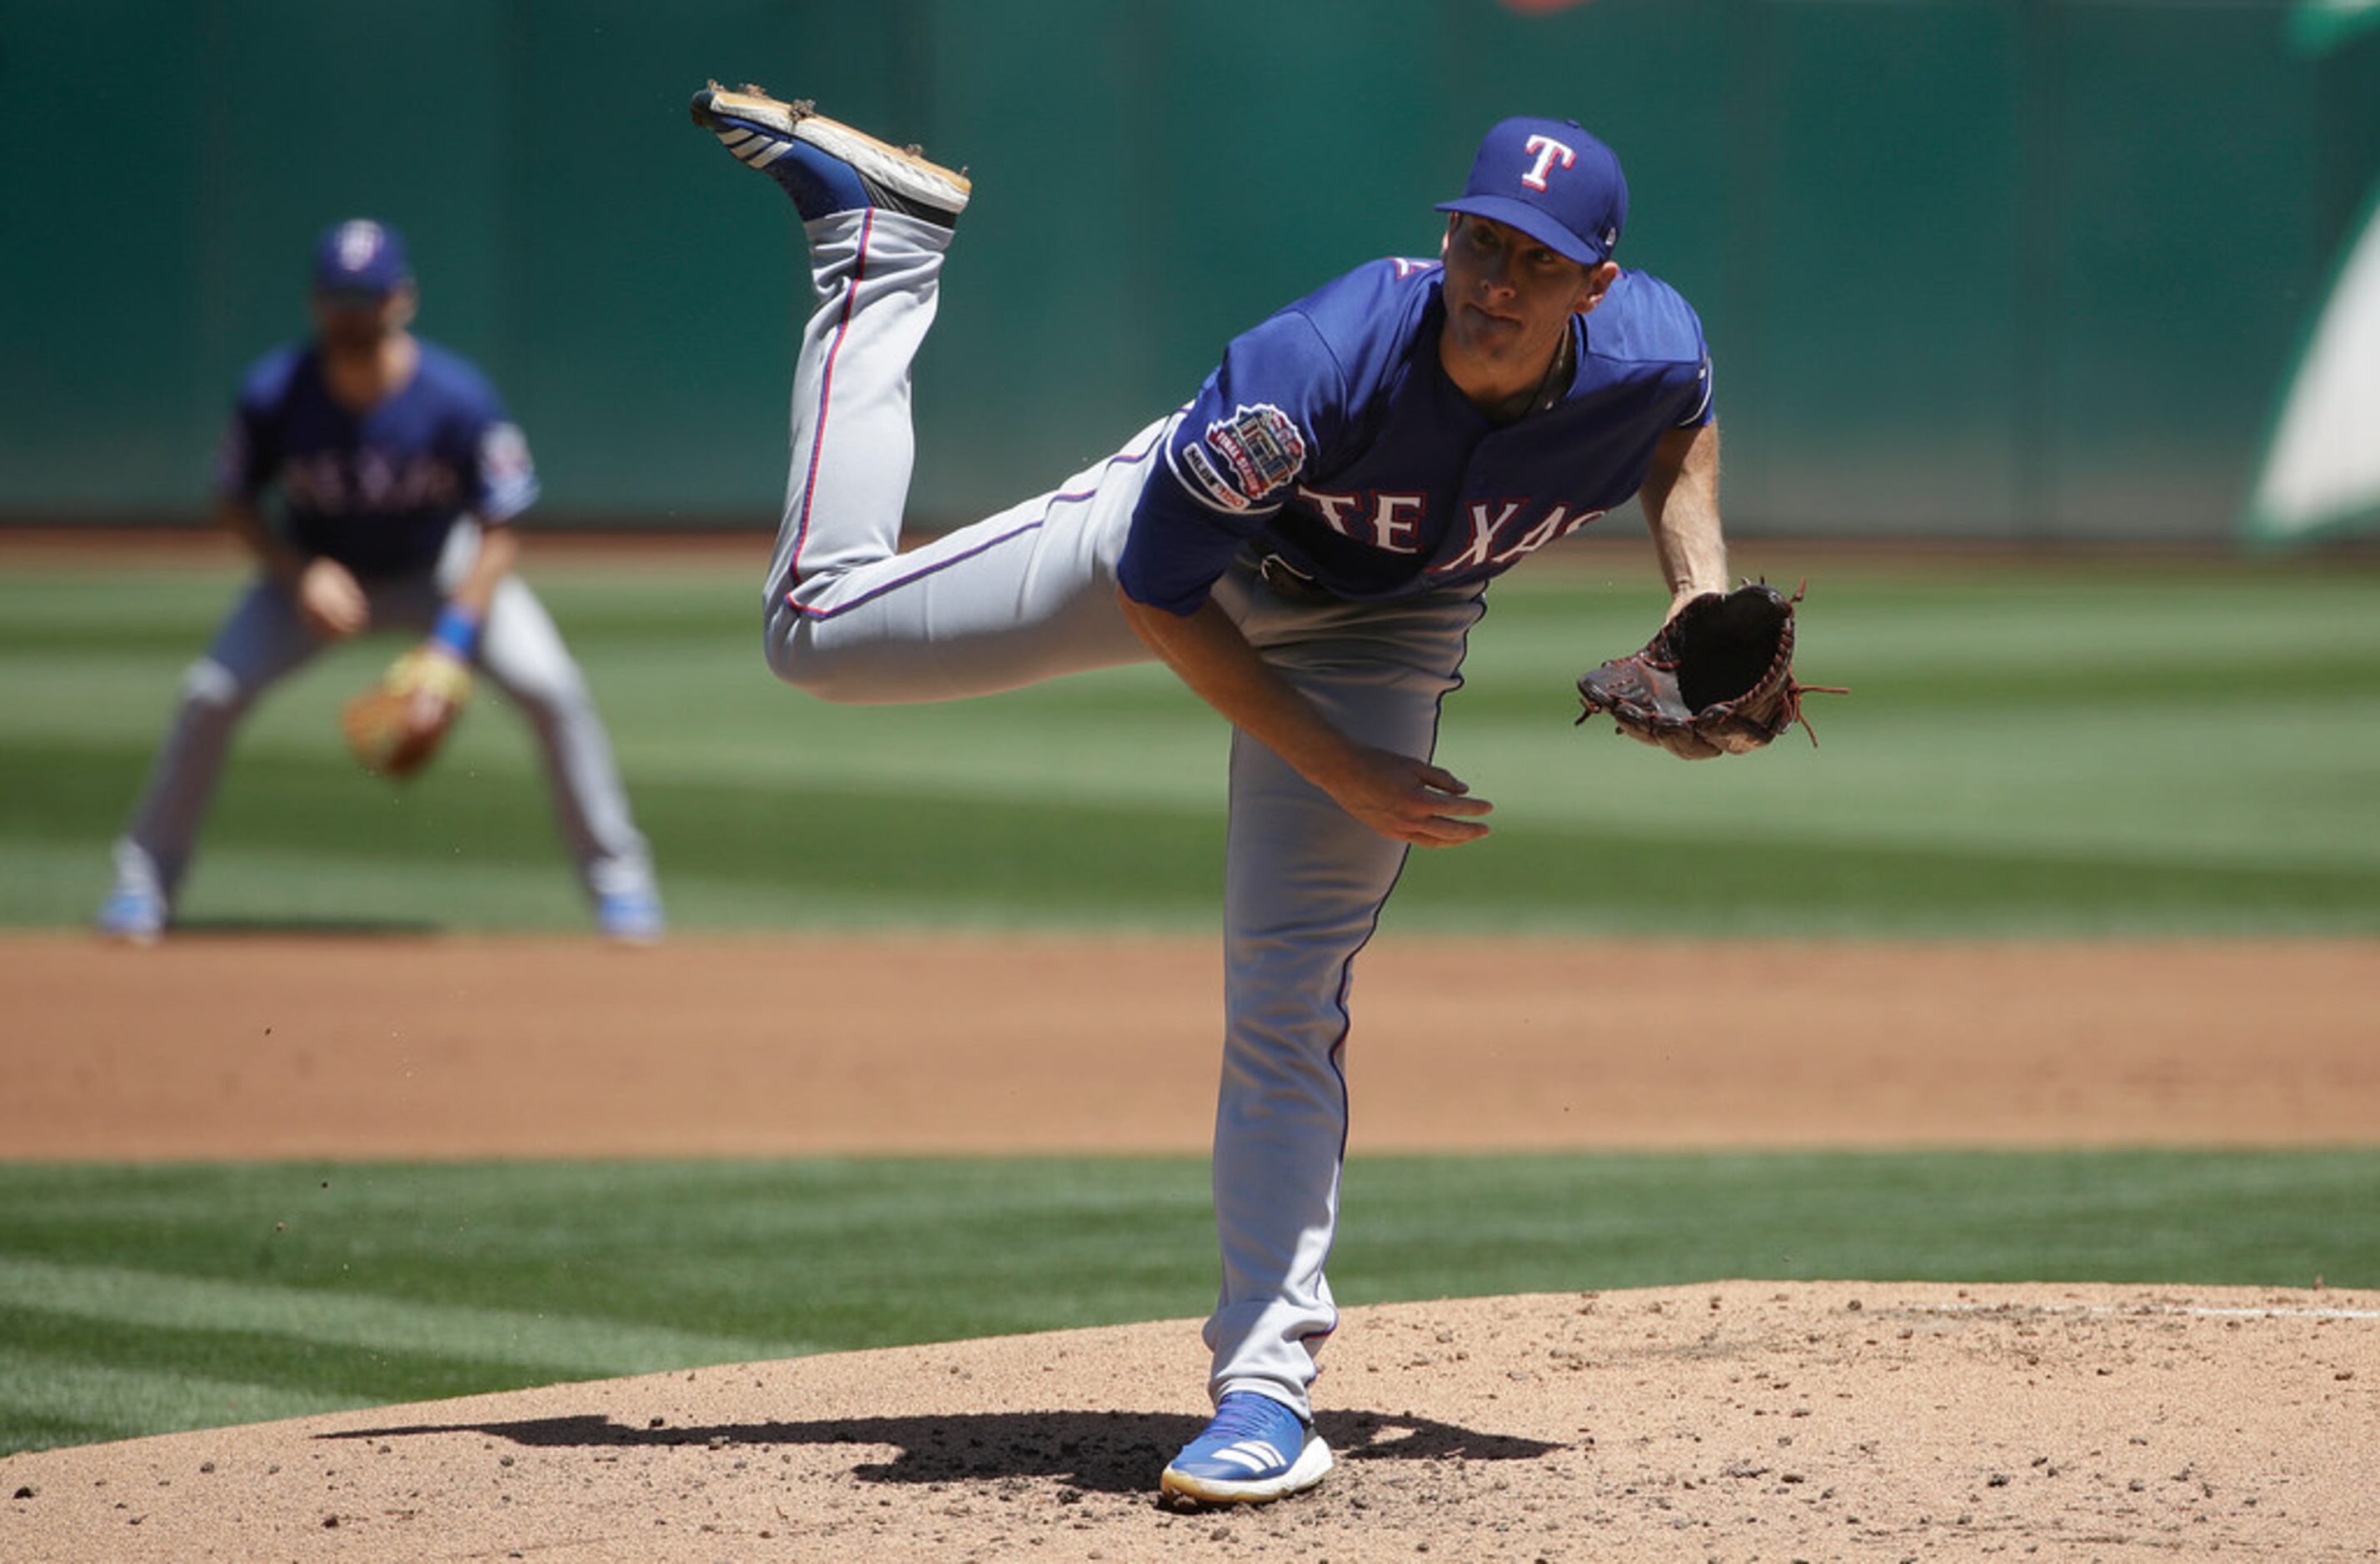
(138, 1299)
(2033, 749)
(2114, 748)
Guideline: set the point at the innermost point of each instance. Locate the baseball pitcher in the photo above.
(1305, 544)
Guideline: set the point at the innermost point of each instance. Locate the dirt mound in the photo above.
(1739, 1421)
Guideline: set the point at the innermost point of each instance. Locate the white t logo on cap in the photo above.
(359, 242)
(1547, 151)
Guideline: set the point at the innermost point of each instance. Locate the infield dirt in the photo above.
(262, 1046)
(1736, 1422)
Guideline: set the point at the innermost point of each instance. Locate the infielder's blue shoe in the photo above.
(825, 165)
(133, 915)
(1255, 1450)
(632, 917)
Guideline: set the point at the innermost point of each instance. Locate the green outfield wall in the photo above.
(1973, 268)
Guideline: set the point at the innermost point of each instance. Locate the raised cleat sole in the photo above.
(906, 176)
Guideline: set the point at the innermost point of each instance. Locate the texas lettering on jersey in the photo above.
(1501, 534)
(378, 491)
(1330, 435)
(334, 483)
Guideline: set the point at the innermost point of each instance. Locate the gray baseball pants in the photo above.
(521, 653)
(1030, 593)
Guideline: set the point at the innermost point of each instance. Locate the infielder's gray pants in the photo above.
(520, 651)
(1030, 593)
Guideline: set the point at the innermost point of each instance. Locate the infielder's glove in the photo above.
(397, 726)
(1717, 680)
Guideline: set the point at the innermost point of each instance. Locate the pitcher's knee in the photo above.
(815, 672)
(871, 663)
(797, 660)
(790, 665)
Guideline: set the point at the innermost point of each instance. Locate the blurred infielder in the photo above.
(1306, 545)
(399, 474)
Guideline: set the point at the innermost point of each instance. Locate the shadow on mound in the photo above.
(1112, 1452)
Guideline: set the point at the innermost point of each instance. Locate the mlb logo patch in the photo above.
(1199, 468)
(507, 479)
(1261, 448)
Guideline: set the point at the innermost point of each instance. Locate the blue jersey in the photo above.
(377, 491)
(1330, 435)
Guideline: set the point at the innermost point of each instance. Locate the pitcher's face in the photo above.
(1509, 297)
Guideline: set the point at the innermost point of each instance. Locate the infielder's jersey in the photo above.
(1331, 435)
(377, 491)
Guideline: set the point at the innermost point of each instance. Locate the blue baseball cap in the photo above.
(1552, 181)
(361, 260)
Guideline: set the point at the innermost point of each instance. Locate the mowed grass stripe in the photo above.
(1740, 884)
(559, 1343)
(1460, 1225)
(260, 1358)
(98, 1401)
(459, 856)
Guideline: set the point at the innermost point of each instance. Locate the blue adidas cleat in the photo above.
(1255, 1450)
(133, 915)
(825, 165)
(631, 917)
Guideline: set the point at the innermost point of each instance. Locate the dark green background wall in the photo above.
(1983, 268)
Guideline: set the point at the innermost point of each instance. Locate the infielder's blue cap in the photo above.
(1552, 181)
(361, 260)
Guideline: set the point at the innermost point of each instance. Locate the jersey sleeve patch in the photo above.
(507, 481)
(1256, 453)
(1197, 471)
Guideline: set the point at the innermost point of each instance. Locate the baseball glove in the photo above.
(1717, 680)
(398, 725)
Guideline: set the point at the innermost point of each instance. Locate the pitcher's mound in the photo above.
(1739, 1421)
